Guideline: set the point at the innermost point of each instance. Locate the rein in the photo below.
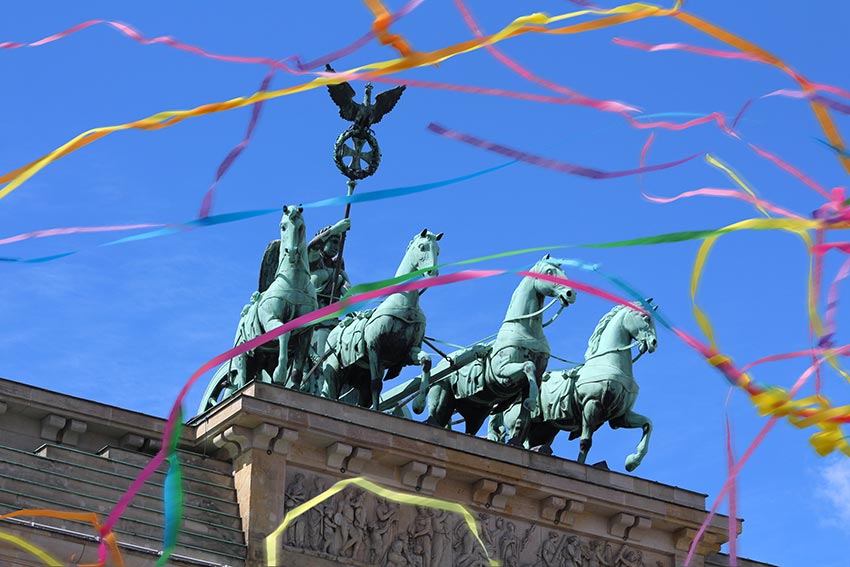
(538, 312)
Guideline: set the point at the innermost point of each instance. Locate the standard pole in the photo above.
(351, 184)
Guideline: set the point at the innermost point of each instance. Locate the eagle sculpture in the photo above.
(365, 114)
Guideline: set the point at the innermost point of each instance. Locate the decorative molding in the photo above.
(132, 441)
(236, 439)
(560, 510)
(422, 477)
(70, 434)
(336, 454)
(492, 494)
(51, 425)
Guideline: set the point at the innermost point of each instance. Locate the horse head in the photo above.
(641, 327)
(423, 252)
(293, 234)
(550, 267)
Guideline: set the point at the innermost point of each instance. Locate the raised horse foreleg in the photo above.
(634, 420)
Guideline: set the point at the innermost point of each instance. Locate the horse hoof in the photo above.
(542, 449)
(632, 463)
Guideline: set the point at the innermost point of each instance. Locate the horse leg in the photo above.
(280, 372)
(330, 378)
(634, 420)
(473, 418)
(423, 359)
(496, 430)
(589, 423)
(441, 405)
(376, 373)
(540, 438)
(301, 356)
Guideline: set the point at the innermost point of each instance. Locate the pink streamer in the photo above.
(171, 42)
(730, 193)
(832, 298)
(733, 500)
(206, 204)
(685, 47)
(719, 53)
(790, 169)
(813, 352)
(330, 310)
(462, 88)
(603, 105)
(744, 458)
(563, 167)
(74, 230)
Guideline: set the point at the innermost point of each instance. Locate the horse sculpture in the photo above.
(285, 292)
(388, 337)
(512, 368)
(581, 399)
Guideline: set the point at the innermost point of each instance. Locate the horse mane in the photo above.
(593, 341)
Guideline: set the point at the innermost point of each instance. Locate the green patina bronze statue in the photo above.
(285, 292)
(363, 346)
(327, 272)
(512, 367)
(581, 399)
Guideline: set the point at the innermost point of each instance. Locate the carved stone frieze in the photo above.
(357, 528)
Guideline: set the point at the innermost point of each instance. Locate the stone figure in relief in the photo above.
(295, 495)
(351, 519)
(383, 529)
(421, 535)
(315, 517)
(572, 552)
(440, 520)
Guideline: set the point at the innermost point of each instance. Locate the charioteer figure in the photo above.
(323, 253)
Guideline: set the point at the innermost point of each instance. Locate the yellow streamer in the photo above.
(401, 497)
(736, 178)
(41, 554)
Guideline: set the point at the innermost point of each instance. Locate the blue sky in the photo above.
(126, 325)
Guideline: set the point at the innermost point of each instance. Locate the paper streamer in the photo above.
(224, 166)
(733, 498)
(790, 169)
(395, 496)
(108, 537)
(381, 25)
(40, 553)
(746, 56)
(75, 230)
(713, 161)
(237, 216)
(730, 193)
(603, 105)
(325, 312)
(135, 35)
(534, 23)
(560, 166)
(172, 494)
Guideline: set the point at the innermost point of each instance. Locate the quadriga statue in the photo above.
(581, 399)
(362, 347)
(510, 369)
(285, 292)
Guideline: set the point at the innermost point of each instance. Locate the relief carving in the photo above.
(359, 529)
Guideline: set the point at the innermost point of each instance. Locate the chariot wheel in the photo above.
(356, 153)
